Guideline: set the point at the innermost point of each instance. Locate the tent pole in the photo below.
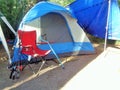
(106, 33)
(4, 44)
(7, 23)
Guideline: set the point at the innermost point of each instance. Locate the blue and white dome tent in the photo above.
(57, 25)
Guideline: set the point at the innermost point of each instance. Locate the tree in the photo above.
(14, 10)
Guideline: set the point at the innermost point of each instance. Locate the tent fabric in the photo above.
(41, 9)
(2, 38)
(8, 24)
(3, 18)
(56, 25)
(93, 16)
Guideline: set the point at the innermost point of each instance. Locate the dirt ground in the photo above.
(51, 77)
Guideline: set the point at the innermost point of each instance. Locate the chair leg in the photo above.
(58, 59)
(42, 64)
(31, 69)
(60, 63)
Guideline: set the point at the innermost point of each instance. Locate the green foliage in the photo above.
(95, 39)
(101, 40)
(117, 42)
(119, 2)
(62, 2)
(14, 10)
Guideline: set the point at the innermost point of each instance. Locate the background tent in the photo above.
(55, 24)
(2, 37)
(7, 23)
(98, 17)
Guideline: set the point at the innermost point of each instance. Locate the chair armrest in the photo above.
(27, 46)
(43, 41)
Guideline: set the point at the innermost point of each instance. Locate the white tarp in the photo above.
(2, 38)
(7, 23)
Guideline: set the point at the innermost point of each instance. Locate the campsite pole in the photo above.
(8, 24)
(2, 37)
(106, 33)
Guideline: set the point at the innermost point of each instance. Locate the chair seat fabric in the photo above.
(28, 44)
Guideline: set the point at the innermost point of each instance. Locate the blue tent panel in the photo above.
(41, 9)
(60, 49)
(92, 16)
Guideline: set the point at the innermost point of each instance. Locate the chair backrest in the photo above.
(27, 37)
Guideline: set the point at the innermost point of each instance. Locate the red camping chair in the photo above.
(29, 47)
